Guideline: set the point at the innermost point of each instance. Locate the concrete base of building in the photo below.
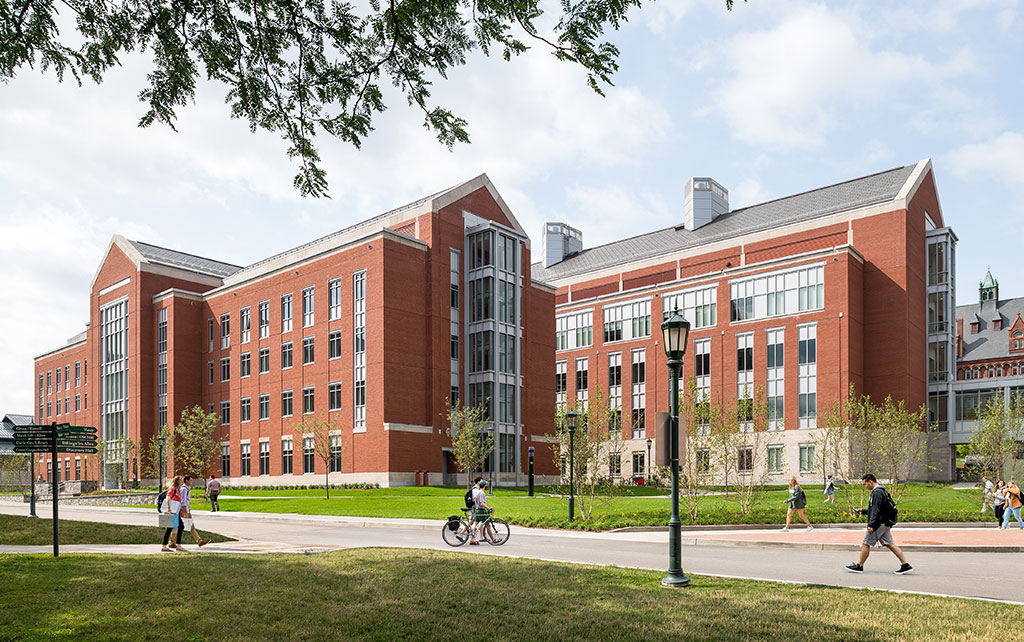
(385, 479)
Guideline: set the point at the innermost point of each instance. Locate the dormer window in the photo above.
(1017, 342)
(975, 326)
(997, 324)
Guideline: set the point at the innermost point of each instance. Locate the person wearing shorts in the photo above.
(481, 511)
(830, 491)
(879, 528)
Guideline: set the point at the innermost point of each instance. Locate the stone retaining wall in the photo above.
(127, 499)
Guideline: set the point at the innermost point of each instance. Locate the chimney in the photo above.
(706, 200)
(560, 241)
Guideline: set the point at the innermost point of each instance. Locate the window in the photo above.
(480, 293)
(78, 364)
(560, 382)
(264, 320)
(506, 302)
(161, 368)
(286, 456)
(334, 396)
(264, 458)
(211, 324)
(286, 313)
(49, 405)
(286, 355)
(245, 410)
(244, 324)
(775, 462)
(307, 307)
(78, 469)
(776, 393)
(225, 460)
(454, 398)
(308, 455)
(937, 363)
(359, 351)
(698, 306)
(49, 382)
(334, 299)
(615, 465)
(307, 350)
(480, 249)
(246, 464)
(506, 452)
(938, 411)
(286, 403)
(507, 403)
(58, 379)
(225, 369)
(703, 460)
(507, 250)
(745, 380)
(806, 458)
(455, 295)
(638, 463)
(210, 364)
(67, 405)
(581, 378)
(455, 346)
(507, 353)
(480, 351)
(225, 331)
(937, 312)
(741, 301)
(58, 407)
(225, 413)
(745, 459)
(969, 403)
(937, 273)
(85, 372)
(307, 401)
(627, 321)
(244, 365)
(778, 293)
(702, 377)
(334, 443)
(264, 406)
(480, 395)
(614, 369)
(574, 330)
(114, 369)
(334, 344)
(78, 406)
(807, 375)
(639, 396)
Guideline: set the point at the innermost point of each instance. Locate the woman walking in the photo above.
(1000, 501)
(797, 501)
(830, 491)
(172, 506)
(1013, 506)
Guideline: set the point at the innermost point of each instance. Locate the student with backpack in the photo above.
(169, 502)
(882, 515)
(797, 501)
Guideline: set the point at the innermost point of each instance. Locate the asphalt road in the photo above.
(994, 576)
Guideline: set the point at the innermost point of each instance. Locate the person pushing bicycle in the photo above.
(481, 511)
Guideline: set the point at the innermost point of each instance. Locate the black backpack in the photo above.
(469, 498)
(160, 500)
(892, 513)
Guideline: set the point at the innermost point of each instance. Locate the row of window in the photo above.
(287, 404)
(760, 297)
(775, 459)
(287, 357)
(309, 457)
(999, 370)
(81, 378)
(81, 403)
(66, 465)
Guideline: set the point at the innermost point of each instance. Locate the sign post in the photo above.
(32, 480)
(55, 465)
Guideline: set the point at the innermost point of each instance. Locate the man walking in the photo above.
(988, 498)
(213, 492)
(880, 521)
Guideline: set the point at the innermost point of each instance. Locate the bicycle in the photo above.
(456, 531)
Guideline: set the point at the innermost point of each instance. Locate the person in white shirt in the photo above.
(481, 511)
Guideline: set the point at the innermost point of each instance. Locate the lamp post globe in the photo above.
(675, 332)
(570, 424)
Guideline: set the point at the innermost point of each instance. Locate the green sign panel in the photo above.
(39, 434)
(75, 429)
(77, 449)
(32, 449)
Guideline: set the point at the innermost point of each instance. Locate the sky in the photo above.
(769, 99)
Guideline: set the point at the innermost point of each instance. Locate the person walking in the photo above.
(880, 521)
(172, 506)
(987, 496)
(999, 501)
(186, 512)
(830, 490)
(1013, 505)
(797, 502)
(213, 492)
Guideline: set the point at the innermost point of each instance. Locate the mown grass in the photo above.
(921, 502)
(16, 530)
(383, 594)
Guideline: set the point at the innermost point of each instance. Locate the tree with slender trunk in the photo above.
(471, 442)
(195, 443)
(998, 432)
(595, 448)
(325, 438)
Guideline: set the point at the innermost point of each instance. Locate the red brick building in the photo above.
(800, 297)
(373, 327)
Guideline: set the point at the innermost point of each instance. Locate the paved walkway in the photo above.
(984, 575)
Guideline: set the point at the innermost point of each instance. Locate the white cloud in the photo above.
(608, 213)
(790, 85)
(1001, 157)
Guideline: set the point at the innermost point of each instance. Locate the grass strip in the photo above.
(16, 530)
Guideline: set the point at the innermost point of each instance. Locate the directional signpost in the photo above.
(55, 438)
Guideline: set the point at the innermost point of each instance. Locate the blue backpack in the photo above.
(160, 500)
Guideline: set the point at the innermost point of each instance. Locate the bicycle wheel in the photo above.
(456, 537)
(501, 532)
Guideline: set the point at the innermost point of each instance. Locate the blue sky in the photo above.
(767, 99)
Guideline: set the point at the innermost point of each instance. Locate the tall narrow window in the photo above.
(225, 331)
(245, 410)
(244, 324)
(286, 312)
(807, 375)
(639, 397)
(286, 456)
(264, 320)
(114, 369)
(264, 406)
(307, 307)
(264, 458)
(264, 360)
(776, 394)
(702, 379)
(308, 399)
(225, 413)
(334, 396)
(308, 455)
(561, 382)
(334, 344)
(211, 324)
(359, 350)
(286, 355)
(161, 369)
(745, 380)
(245, 364)
(615, 392)
(334, 443)
(225, 369)
(246, 463)
(307, 351)
(582, 381)
(334, 298)
(225, 460)
(286, 403)
(78, 364)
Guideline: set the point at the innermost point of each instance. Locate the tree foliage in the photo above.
(321, 432)
(472, 444)
(597, 440)
(195, 446)
(997, 433)
(151, 456)
(300, 68)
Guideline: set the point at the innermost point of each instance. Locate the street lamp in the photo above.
(570, 423)
(160, 441)
(490, 473)
(647, 464)
(675, 332)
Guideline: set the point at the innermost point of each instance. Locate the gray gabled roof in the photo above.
(849, 195)
(987, 342)
(181, 260)
(10, 421)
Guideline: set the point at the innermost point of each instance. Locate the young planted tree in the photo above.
(472, 443)
(832, 447)
(151, 459)
(997, 433)
(593, 448)
(195, 443)
(747, 420)
(117, 455)
(900, 442)
(325, 439)
(697, 415)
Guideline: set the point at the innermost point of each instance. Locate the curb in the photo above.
(852, 526)
(811, 546)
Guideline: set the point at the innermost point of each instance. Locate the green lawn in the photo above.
(922, 502)
(375, 594)
(21, 531)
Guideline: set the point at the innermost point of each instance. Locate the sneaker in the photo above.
(855, 568)
(810, 528)
(474, 543)
(904, 569)
(785, 530)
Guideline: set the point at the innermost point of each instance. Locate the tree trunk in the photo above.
(327, 485)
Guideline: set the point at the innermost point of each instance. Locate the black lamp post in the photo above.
(675, 332)
(160, 441)
(647, 464)
(570, 423)
(530, 479)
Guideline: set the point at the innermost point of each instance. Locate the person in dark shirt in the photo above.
(879, 524)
